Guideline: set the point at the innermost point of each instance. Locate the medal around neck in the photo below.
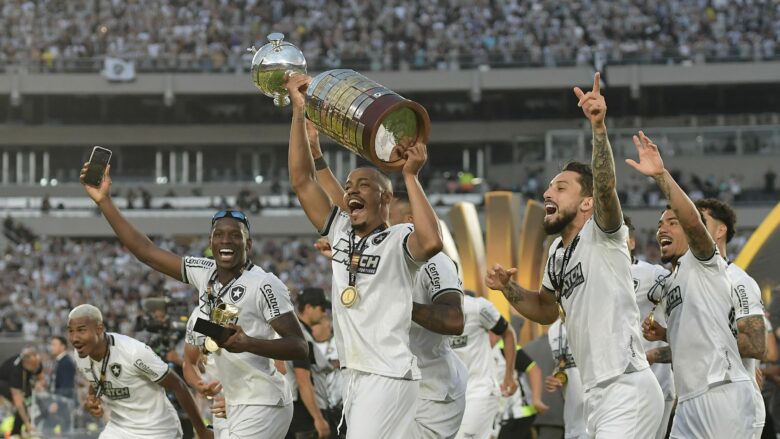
(561, 376)
(349, 296)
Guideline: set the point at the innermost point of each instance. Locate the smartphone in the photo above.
(97, 166)
(213, 330)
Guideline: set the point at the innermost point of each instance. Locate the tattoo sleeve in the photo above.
(662, 355)
(751, 337)
(605, 198)
(538, 306)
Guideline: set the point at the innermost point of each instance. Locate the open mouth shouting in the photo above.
(226, 255)
(550, 208)
(664, 241)
(356, 207)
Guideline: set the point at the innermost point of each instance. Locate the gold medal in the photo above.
(349, 296)
(560, 374)
(210, 345)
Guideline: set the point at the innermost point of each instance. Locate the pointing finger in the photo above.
(579, 93)
(597, 83)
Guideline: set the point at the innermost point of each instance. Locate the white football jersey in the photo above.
(372, 335)
(602, 318)
(697, 304)
(137, 402)
(573, 393)
(746, 300)
(473, 346)
(261, 297)
(649, 281)
(443, 374)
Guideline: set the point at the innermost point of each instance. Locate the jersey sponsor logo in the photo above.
(673, 300)
(433, 276)
(368, 264)
(459, 341)
(380, 237)
(237, 293)
(145, 369)
(270, 300)
(573, 279)
(115, 393)
(116, 369)
(741, 293)
(198, 262)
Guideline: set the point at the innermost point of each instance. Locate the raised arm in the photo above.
(651, 165)
(443, 316)
(289, 346)
(539, 306)
(139, 244)
(605, 198)
(303, 176)
(425, 241)
(327, 180)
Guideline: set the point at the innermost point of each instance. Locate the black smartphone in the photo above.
(213, 330)
(97, 166)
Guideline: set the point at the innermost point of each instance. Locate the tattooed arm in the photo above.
(605, 198)
(659, 355)
(539, 306)
(701, 244)
(751, 337)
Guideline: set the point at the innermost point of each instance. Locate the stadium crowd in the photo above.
(212, 35)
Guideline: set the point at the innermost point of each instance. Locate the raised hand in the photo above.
(97, 194)
(592, 103)
(416, 156)
(650, 162)
(498, 277)
(296, 85)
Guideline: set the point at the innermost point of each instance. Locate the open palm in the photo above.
(650, 162)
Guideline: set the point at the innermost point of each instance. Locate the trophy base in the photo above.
(282, 101)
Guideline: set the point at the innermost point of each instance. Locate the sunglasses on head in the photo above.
(230, 214)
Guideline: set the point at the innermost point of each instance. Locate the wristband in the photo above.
(320, 163)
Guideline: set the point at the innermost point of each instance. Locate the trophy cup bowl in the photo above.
(224, 313)
(366, 117)
(271, 63)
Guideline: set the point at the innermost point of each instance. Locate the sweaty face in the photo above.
(671, 237)
(83, 334)
(230, 243)
(363, 197)
(562, 201)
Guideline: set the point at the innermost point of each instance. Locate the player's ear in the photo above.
(586, 205)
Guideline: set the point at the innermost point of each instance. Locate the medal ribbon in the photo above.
(557, 281)
(101, 384)
(213, 301)
(356, 254)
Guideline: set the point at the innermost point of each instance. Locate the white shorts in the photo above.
(478, 417)
(379, 407)
(113, 431)
(726, 411)
(255, 421)
(438, 419)
(629, 405)
(664, 427)
(220, 426)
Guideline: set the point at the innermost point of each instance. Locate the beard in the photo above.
(556, 226)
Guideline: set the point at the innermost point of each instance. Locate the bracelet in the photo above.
(320, 163)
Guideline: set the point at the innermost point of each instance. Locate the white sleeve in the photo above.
(190, 336)
(546, 281)
(274, 298)
(439, 275)
(488, 314)
(337, 220)
(148, 364)
(195, 271)
(746, 297)
(617, 237)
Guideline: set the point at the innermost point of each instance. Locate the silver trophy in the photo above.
(270, 64)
